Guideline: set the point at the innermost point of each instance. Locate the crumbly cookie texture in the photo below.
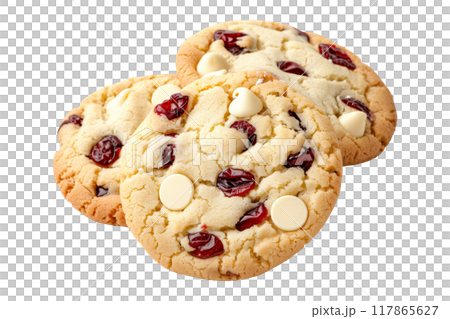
(116, 110)
(326, 83)
(165, 233)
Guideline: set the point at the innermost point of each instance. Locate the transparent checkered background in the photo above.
(389, 230)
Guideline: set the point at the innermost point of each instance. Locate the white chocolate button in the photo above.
(289, 213)
(176, 192)
(118, 100)
(211, 62)
(163, 93)
(354, 123)
(221, 72)
(245, 103)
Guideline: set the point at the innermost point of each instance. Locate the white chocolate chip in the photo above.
(176, 192)
(211, 62)
(163, 93)
(354, 123)
(118, 100)
(289, 213)
(221, 72)
(245, 103)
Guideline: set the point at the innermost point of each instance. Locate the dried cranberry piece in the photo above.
(294, 115)
(206, 245)
(173, 107)
(74, 119)
(252, 217)
(101, 191)
(291, 67)
(230, 38)
(336, 55)
(302, 159)
(106, 151)
(235, 182)
(303, 34)
(168, 156)
(358, 105)
(247, 128)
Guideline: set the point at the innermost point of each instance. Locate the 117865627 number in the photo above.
(404, 310)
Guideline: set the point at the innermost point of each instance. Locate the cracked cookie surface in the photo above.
(86, 167)
(288, 53)
(237, 248)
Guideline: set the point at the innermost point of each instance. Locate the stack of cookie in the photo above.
(230, 167)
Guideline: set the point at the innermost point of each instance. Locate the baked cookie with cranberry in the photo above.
(231, 178)
(359, 105)
(91, 136)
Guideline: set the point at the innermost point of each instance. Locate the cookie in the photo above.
(232, 180)
(86, 167)
(357, 102)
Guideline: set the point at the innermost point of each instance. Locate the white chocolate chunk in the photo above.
(289, 213)
(211, 62)
(354, 123)
(176, 192)
(245, 103)
(221, 72)
(163, 93)
(118, 100)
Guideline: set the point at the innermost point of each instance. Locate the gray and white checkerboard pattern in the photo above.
(390, 230)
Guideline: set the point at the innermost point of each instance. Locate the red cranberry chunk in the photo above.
(291, 67)
(106, 151)
(336, 55)
(302, 159)
(230, 38)
(168, 156)
(172, 134)
(73, 119)
(101, 191)
(252, 217)
(303, 34)
(174, 107)
(247, 128)
(358, 105)
(235, 182)
(205, 245)
(295, 116)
